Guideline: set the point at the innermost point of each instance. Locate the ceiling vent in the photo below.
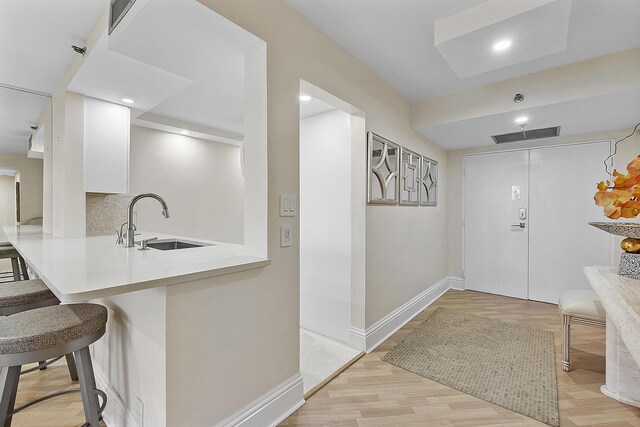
(117, 10)
(526, 135)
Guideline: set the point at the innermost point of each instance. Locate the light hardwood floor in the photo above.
(62, 411)
(374, 393)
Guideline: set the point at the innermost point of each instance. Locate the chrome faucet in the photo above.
(131, 228)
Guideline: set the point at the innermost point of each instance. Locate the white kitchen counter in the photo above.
(620, 297)
(81, 269)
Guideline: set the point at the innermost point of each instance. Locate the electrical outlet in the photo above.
(285, 236)
(138, 412)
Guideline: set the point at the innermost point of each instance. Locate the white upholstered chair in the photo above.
(582, 307)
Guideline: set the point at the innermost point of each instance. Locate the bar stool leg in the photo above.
(16, 269)
(566, 343)
(71, 364)
(23, 267)
(9, 377)
(87, 386)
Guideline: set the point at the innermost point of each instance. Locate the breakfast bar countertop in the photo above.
(80, 269)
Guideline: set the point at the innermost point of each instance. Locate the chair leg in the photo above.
(566, 342)
(87, 386)
(9, 377)
(71, 364)
(23, 267)
(16, 269)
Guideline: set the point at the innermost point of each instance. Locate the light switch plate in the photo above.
(288, 205)
(285, 236)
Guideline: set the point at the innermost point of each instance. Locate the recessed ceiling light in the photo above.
(502, 45)
(522, 119)
(128, 101)
(305, 98)
(184, 132)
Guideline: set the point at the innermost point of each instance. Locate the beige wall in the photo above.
(7, 200)
(627, 150)
(30, 171)
(200, 180)
(268, 301)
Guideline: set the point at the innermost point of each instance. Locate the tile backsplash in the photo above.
(106, 213)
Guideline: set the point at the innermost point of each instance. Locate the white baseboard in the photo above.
(272, 407)
(115, 413)
(385, 327)
(357, 339)
(456, 283)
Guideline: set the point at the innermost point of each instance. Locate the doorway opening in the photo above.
(332, 232)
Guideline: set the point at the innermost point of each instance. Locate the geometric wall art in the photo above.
(429, 182)
(409, 177)
(383, 164)
(397, 175)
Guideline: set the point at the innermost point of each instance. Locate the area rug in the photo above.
(501, 362)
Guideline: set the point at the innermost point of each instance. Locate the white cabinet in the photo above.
(106, 147)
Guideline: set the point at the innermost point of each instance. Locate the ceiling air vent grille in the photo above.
(117, 10)
(526, 135)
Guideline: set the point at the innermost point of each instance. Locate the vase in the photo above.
(630, 259)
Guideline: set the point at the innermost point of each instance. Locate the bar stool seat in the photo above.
(47, 332)
(578, 306)
(25, 295)
(16, 297)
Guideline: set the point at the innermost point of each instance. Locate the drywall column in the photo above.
(68, 197)
(325, 224)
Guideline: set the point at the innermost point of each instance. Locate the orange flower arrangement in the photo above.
(623, 198)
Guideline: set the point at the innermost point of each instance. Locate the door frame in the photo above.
(495, 151)
(358, 209)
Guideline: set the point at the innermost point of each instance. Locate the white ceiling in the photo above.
(18, 112)
(395, 39)
(35, 52)
(179, 61)
(313, 107)
(581, 116)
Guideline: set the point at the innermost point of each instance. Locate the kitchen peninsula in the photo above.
(161, 306)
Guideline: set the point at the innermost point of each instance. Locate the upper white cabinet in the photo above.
(106, 147)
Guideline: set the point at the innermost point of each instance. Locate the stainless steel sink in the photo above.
(172, 244)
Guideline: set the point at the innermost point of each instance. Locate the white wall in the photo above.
(200, 180)
(7, 200)
(325, 224)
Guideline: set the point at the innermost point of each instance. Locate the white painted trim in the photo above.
(385, 327)
(116, 413)
(357, 339)
(456, 283)
(272, 407)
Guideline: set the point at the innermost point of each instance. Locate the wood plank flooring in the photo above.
(374, 393)
(62, 411)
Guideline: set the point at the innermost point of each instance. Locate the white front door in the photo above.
(561, 242)
(496, 239)
(526, 220)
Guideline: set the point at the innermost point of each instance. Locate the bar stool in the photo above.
(17, 262)
(16, 297)
(582, 307)
(47, 332)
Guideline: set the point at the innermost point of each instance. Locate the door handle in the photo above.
(521, 225)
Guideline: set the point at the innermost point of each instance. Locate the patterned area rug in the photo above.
(501, 362)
